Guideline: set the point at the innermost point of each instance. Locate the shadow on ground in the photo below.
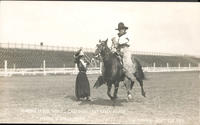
(73, 98)
(100, 101)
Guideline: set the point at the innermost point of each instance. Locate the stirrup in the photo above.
(121, 63)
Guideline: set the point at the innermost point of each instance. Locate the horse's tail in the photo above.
(100, 81)
(143, 75)
(139, 71)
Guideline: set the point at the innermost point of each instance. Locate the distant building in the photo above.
(41, 44)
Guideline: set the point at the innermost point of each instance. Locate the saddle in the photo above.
(119, 55)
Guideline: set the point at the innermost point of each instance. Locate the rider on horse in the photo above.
(112, 72)
(120, 41)
(121, 47)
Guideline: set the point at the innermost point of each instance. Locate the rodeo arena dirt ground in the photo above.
(171, 98)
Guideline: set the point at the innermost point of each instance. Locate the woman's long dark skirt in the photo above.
(82, 87)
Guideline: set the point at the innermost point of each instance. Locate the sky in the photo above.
(171, 27)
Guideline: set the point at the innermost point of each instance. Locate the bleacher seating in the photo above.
(30, 58)
(173, 61)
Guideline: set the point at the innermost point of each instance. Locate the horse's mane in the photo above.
(107, 48)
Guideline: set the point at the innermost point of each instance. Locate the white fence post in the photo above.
(189, 65)
(95, 63)
(5, 68)
(64, 68)
(14, 66)
(179, 65)
(154, 66)
(76, 69)
(44, 67)
(167, 65)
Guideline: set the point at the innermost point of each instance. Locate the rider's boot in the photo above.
(121, 60)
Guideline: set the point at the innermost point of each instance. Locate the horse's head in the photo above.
(102, 48)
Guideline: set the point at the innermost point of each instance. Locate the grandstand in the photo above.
(172, 61)
(55, 57)
(30, 58)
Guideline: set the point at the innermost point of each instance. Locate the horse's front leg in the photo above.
(109, 85)
(116, 90)
(141, 85)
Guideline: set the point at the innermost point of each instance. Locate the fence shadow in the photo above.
(73, 98)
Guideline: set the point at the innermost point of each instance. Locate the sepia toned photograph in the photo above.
(90, 62)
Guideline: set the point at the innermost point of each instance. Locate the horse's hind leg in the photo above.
(116, 90)
(108, 90)
(142, 89)
(132, 83)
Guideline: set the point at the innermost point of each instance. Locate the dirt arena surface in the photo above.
(172, 98)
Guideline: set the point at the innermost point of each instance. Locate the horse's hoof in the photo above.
(113, 99)
(129, 96)
(113, 104)
(144, 94)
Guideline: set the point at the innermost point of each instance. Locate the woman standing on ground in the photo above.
(82, 87)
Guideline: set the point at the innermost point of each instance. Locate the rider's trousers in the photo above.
(129, 65)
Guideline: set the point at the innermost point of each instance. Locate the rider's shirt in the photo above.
(124, 39)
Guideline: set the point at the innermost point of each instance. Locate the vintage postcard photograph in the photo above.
(102, 62)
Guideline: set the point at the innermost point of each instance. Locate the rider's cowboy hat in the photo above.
(121, 26)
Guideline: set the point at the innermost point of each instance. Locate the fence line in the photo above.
(170, 69)
(41, 71)
(62, 48)
(95, 70)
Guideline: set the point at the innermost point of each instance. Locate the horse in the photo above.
(113, 73)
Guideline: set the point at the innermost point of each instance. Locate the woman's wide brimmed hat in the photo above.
(79, 53)
(121, 26)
